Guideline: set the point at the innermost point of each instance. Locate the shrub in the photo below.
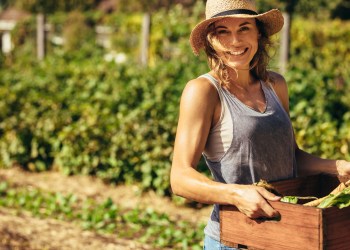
(79, 114)
(319, 76)
(76, 32)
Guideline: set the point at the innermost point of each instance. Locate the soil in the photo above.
(22, 231)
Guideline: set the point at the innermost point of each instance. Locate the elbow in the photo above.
(174, 185)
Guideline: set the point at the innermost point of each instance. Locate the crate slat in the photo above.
(300, 227)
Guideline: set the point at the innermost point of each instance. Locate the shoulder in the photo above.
(200, 89)
(279, 84)
(277, 80)
(200, 101)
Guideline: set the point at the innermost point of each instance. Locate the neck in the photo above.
(241, 78)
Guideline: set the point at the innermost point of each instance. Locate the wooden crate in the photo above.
(300, 227)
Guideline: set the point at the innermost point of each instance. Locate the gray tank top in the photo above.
(262, 146)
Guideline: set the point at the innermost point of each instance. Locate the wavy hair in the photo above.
(258, 65)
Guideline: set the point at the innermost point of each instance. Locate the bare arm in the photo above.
(199, 109)
(307, 164)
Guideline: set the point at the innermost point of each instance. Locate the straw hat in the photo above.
(218, 9)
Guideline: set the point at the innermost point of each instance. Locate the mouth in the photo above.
(237, 52)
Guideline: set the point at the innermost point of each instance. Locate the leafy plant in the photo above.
(79, 114)
(341, 199)
(146, 225)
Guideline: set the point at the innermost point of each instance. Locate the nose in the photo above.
(234, 39)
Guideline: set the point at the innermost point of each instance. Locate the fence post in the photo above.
(146, 24)
(284, 48)
(40, 36)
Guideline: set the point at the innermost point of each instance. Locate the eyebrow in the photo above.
(244, 23)
(223, 26)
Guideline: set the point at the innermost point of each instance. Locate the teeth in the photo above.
(236, 53)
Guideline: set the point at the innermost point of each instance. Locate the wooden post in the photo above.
(40, 36)
(284, 49)
(6, 42)
(146, 24)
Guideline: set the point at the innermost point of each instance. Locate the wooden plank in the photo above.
(342, 244)
(326, 229)
(303, 186)
(238, 228)
(337, 229)
(328, 183)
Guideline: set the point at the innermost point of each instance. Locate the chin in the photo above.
(237, 66)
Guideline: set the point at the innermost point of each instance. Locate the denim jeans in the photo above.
(211, 244)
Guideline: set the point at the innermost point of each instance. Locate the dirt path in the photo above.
(28, 233)
(85, 186)
(23, 232)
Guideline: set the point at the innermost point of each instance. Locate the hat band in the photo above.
(235, 12)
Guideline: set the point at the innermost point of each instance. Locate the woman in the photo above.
(237, 117)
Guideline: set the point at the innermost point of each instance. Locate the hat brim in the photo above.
(273, 22)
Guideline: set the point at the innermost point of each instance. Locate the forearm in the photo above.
(309, 164)
(249, 199)
(190, 184)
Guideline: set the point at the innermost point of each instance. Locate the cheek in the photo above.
(225, 38)
(254, 42)
(219, 44)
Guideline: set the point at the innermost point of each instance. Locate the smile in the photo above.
(237, 53)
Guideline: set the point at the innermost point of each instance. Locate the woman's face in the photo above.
(239, 40)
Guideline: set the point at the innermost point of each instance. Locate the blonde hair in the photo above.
(258, 65)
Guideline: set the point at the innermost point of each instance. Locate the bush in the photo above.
(319, 76)
(117, 122)
(76, 32)
(79, 114)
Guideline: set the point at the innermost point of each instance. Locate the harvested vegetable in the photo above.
(295, 199)
(290, 199)
(338, 189)
(317, 202)
(341, 199)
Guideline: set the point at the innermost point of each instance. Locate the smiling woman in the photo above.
(237, 41)
(237, 117)
(250, 35)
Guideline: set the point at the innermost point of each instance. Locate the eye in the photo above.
(221, 31)
(244, 28)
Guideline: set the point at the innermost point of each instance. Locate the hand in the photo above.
(343, 167)
(252, 201)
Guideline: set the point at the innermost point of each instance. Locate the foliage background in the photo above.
(80, 114)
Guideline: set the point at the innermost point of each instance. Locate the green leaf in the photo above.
(290, 199)
(341, 199)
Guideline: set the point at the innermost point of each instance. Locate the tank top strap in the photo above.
(271, 93)
(212, 80)
(216, 84)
